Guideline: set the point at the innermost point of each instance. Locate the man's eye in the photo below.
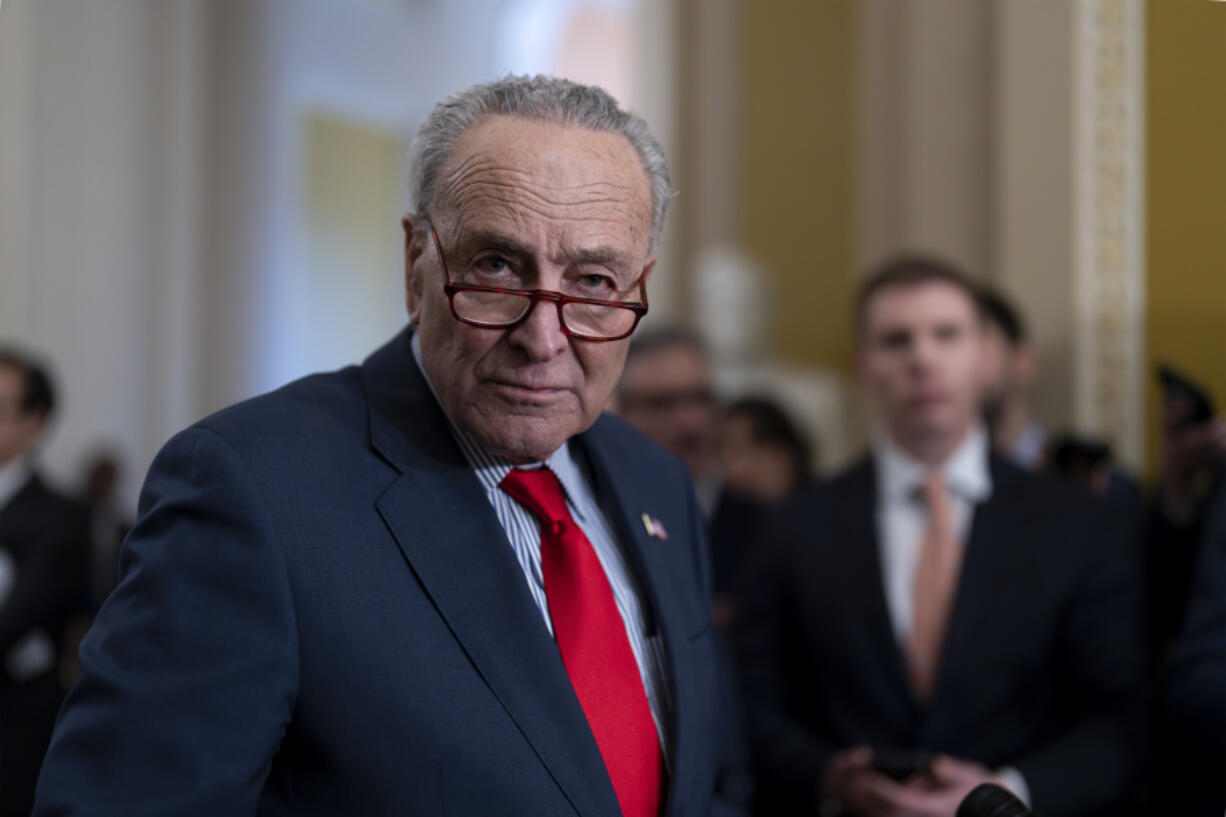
(896, 340)
(599, 285)
(492, 265)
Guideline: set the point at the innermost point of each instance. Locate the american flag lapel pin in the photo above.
(654, 527)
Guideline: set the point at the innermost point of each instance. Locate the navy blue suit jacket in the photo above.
(1042, 668)
(320, 614)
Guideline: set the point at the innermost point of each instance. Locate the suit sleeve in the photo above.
(789, 758)
(190, 670)
(1103, 653)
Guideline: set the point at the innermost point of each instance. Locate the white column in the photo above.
(1110, 222)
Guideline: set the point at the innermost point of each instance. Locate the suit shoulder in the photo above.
(318, 403)
(1055, 494)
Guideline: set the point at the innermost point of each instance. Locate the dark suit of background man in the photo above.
(937, 598)
(441, 582)
(44, 555)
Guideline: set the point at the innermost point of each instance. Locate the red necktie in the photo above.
(595, 648)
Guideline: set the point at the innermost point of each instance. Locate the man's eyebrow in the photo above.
(499, 242)
(602, 254)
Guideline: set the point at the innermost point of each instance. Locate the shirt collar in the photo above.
(14, 474)
(965, 470)
(1028, 448)
(491, 468)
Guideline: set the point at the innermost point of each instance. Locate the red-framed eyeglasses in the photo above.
(588, 319)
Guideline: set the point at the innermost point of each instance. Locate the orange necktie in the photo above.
(595, 648)
(936, 579)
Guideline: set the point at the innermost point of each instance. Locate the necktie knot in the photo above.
(539, 491)
(933, 487)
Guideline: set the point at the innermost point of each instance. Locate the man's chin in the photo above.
(524, 439)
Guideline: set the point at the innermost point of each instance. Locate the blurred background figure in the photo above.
(44, 557)
(744, 458)
(935, 617)
(109, 519)
(1011, 370)
(1011, 375)
(1192, 469)
(1187, 570)
(763, 455)
(1192, 752)
(666, 392)
(764, 458)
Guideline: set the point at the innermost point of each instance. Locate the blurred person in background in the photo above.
(763, 458)
(441, 582)
(1192, 466)
(666, 392)
(1187, 575)
(1010, 375)
(1011, 369)
(109, 521)
(935, 617)
(1192, 751)
(44, 553)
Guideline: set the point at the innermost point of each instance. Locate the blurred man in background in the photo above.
(1192, 752)
(44, 556)
(935, 617)
(1192, 467)
(1186, 572)
(1011, 369)
(667, 393)
(764, 458)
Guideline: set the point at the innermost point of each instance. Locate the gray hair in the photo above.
(547, 99)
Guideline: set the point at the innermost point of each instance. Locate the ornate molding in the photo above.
(1109, 222)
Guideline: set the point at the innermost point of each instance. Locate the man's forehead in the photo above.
(527, 167)
(935, 299)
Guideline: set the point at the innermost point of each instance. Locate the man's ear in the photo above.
(414, 264)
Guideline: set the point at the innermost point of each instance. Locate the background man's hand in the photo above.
(851, 785)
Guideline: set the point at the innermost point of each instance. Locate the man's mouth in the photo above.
(527, 393)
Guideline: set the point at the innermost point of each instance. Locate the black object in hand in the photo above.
(900, 764)
(988, 800)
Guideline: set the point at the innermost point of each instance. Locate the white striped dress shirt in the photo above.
(524, 533)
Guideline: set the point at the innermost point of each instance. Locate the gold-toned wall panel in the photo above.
(1186, 178)
(796, 169)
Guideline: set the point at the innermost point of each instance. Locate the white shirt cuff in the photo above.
(1012, 780)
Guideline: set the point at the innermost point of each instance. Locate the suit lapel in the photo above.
(624, 499)
(855, 508)
(442, 521)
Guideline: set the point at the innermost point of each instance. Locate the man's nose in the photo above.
(923, 354)
(540, 334)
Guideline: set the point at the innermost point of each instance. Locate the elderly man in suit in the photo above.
(44, 560)
(441, 582)
(936, 618)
